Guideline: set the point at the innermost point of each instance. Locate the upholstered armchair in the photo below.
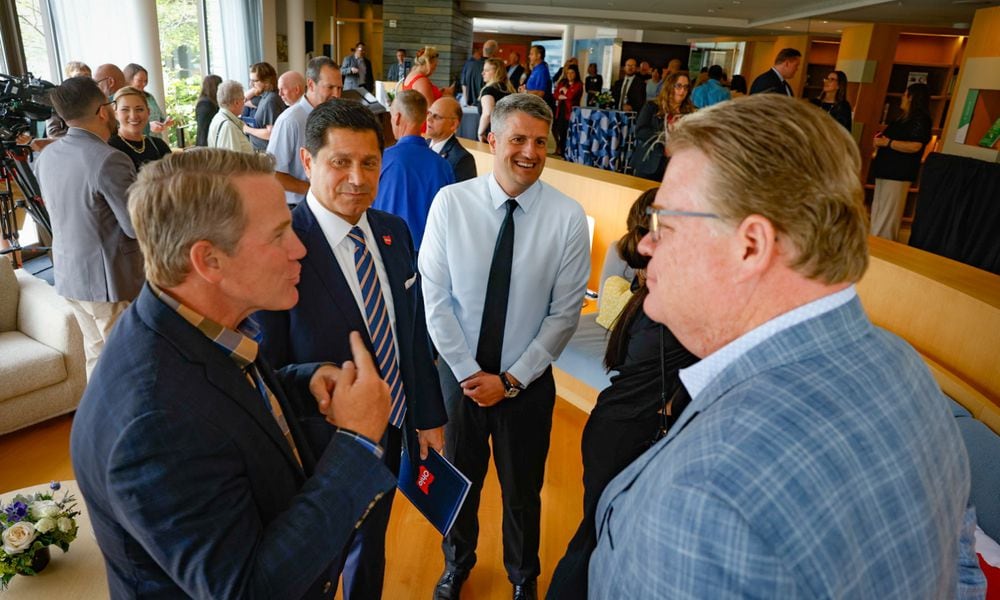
(42, 366)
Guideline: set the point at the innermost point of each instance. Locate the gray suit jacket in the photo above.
(84, 182)
(822, 463)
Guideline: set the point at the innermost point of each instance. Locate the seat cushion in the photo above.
(583, 357)
(27, 365)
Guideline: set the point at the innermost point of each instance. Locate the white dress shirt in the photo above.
(550, 269)
(335, 230)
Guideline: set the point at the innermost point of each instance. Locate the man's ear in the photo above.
(206, 261)
(756, 240)
(493, 142)
(306, 159)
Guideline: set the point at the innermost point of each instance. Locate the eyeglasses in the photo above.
(435, 117)
(681, 86)
(102, 105)
(830, 78)
(656, 213)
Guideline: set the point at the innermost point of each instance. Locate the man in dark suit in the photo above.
(359, 274)
(196, 481)
(98, 267)
(515, 70)
(634, 95)
(775, 80)
(356, 70)
(443, 119)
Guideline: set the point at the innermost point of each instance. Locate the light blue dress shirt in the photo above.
(550, 269)
(287, 136)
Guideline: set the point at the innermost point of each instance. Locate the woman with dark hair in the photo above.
(569, 90)
(206, 108)
(833, 99)
(656, 119)
(264, 83)
(899, 149)
(645, 397)
(138, 77)
(738, 86)
(593, 84)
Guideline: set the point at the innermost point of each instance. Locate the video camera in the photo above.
(23, 101)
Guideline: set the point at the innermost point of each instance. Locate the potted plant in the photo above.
(29, 525)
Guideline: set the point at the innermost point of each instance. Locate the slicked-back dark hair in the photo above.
(77, 98)
(786, 54)
(339, 114)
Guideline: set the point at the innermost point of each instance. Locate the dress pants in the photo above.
(363, 563)
(608, 446)
(520, 429)
(888, 203)
(96, 319)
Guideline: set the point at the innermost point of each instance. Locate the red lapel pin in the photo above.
(387, 240)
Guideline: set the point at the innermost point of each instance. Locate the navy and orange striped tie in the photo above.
(379, 327)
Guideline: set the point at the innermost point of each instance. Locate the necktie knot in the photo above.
(511, 205)
(358, 236)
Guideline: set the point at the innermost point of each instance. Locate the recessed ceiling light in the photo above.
(788, 26)
(737, 2)
(825, 22)
(711, 10)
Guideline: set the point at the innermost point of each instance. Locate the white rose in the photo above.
(45, 525)
(43, 508)
(18, 537)
(66, 524)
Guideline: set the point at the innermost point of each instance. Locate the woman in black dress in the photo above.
(593, 84)
(496, 88)
(206, 108)
(132, 113)
(627, 418)
(834, 98)
(899, 149)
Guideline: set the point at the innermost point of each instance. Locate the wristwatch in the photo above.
(509, 389)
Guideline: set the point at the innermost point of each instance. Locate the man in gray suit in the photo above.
(96, 259)
(817, 458)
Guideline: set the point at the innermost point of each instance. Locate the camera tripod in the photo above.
(14, 170)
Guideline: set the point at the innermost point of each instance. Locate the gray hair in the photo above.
(315, 66)
(229, 92)
(187, 197)
(529, 104)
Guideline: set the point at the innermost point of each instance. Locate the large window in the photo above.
(180, 52)
(30, 17)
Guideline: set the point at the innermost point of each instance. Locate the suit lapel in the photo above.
(448, 147)
(394, 258)
(321, 261)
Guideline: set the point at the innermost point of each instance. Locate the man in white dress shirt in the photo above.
(498, 329)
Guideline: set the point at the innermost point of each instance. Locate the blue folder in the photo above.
(435, 487)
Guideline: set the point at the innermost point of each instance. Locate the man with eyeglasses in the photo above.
(109, 78)
(443, 119)
(711, 92)
(817, 457)
(95, 257)
(412, 173)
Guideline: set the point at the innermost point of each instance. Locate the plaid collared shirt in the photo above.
(243, 346)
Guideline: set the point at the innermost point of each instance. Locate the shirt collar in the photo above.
(778, 74)
(699, 375)
(526, 200)
(242, 345)
(439, 146)
(334, 227)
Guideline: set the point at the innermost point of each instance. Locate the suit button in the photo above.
(327, 587)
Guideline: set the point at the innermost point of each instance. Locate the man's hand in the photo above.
(431, 438)
(360, 399)
(485, 389)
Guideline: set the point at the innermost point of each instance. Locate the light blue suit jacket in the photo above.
(822, 463)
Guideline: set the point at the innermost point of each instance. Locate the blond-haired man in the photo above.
(817, 458)
(197, 474)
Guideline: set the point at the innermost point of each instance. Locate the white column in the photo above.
(296, 27)
(569, 33)
(269, 32)
(145, 31)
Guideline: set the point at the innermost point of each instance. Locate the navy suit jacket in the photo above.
(769, 83)
(189, 483)
(317, 328)
(462, 163)
(636, 92)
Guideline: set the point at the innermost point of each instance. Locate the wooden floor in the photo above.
(414, 561)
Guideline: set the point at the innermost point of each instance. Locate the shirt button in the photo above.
(327, 587)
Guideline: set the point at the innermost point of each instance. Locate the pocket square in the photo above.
(409, 282)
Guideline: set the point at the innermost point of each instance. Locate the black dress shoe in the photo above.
(526, 591)
(450, 584)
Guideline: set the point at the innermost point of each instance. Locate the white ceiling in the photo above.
(700, 18)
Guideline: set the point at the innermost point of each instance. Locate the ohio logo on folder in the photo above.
(435, 487)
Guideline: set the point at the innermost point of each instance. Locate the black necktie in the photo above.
(624, 99)
(490, 346)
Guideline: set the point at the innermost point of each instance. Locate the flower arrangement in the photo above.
(604, 99)
(29, 525)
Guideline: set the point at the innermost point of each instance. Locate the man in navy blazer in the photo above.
(817, 457)
(443, 119)
(198, 479)
(342, 157)
(775, 79)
